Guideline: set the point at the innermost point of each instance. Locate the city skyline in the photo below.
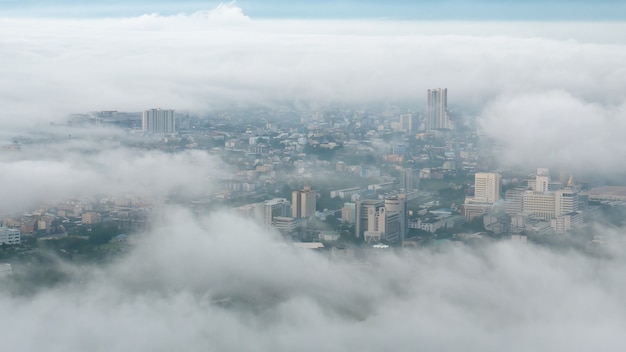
(299, 197)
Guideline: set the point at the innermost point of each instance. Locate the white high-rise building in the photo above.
(158, 121)
(437, 114)
(486, 187)
(565, 202)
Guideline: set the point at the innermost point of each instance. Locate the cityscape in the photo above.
(229, 180)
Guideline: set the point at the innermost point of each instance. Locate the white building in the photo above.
(486, 187)
(158, 121)
(9, 236)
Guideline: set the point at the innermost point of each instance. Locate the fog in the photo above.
(218, 282)
(61, 163)
(197, 61)
(557, 128)
(547, 93)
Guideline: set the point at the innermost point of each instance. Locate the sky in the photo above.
(546, 80)
(601, 10)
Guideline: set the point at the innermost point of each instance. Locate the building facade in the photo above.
(303, 202)
(486, 187)
(158, 121)
(9, 236)
(437, 114)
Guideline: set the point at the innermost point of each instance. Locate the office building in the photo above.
(486, 187)
(363, 208)
(303, 202)
(437, 114)
(158, 121)
(381, 219)
(539, 204)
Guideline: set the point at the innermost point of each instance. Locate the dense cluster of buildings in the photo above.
(540, 205)
(378, 157)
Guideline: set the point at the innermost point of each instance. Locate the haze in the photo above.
(219, 282)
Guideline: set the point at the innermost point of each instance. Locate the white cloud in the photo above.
(168, 293)
(52, 66)
(86, 166)
(228, 13)
(558, 129)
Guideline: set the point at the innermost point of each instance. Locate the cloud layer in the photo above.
(194, 62)
(557, 129)
(95, 162)
(217, 282)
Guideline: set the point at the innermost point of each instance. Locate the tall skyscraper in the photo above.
(303, 203)
(158, 121)
(437, 115)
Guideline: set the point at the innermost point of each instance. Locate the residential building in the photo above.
(9, 236)
(437, 114)
(158, 121)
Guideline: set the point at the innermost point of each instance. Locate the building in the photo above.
(397, 205)
(378, 220)
(513, 200)
(348, 213)
(565, 202)
(408, 123)
(408, 179)
(285, 224)
(437, 114)
(486, 187)
(158, 121)
(486, 194)
(9, 236)
(303, 202)
(270, 209)
(539, 204)
(361, 216)
(543, 182)
(90, 218)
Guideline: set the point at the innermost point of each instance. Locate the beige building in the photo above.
(91, 218)
(486, 187)
(303, 202)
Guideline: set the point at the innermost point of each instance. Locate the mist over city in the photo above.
(295, 176)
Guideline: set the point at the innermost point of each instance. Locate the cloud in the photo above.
(224, 14)
(556, 128)
(219, 282)
(96, 163)
(196, 62)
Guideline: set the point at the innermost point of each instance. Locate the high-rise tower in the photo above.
(437, 115)
(158, 121)
(303, 202)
